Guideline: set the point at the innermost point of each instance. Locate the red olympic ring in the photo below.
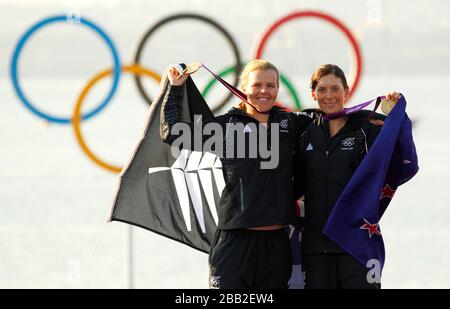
(325, 17)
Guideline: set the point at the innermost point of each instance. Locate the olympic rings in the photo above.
(134, 69)
(202, 18)
(138, 70)
(325, 17)
(18, 49)
(284, 80)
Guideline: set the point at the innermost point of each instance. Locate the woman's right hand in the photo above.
(175, 78)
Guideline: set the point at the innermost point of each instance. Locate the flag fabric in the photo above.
(390, 162)
(174, 197)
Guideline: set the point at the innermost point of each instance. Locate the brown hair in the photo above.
(327, 69)
(254, 65)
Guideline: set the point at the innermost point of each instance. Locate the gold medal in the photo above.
(192, 67)
(387, 106)
(188, 68)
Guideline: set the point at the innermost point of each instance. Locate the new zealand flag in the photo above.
(391, 161)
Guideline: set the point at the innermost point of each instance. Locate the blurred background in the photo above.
(54, 200)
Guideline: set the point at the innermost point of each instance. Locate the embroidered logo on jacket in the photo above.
(348, 143)
(214, 282)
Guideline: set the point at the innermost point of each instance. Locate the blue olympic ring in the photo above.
(26, 36)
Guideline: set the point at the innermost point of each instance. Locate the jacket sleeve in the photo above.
(303, 119)
(300, 166)
(171, 112)
(373, 132)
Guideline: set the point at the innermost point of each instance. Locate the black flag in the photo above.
(175, 197)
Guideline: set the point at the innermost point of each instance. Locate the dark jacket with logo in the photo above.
(252, 196)
(325, 166)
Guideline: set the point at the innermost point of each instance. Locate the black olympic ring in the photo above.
(207, 20)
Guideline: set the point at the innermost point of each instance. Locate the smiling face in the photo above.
(330, 93)
(262, 89)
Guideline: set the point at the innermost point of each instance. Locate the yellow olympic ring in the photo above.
(134, 69)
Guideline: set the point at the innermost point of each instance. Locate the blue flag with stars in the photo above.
(390, 162)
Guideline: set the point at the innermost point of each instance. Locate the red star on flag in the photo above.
(371, 228)
(387, 192)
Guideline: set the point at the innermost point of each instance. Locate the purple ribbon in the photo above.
(345, 112)
(234, 90)
(230, 87)
(354, 109)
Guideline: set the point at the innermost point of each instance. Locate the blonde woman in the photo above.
(251, 248)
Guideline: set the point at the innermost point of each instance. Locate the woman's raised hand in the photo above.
(175, 77)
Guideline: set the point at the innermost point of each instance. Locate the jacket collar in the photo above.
(351, 124)
(237, 111)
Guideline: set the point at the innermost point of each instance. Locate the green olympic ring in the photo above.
(283, 79)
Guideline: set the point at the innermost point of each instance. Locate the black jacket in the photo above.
(325, 165)
(252, 196)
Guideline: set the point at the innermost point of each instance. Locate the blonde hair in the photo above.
(256, 65)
